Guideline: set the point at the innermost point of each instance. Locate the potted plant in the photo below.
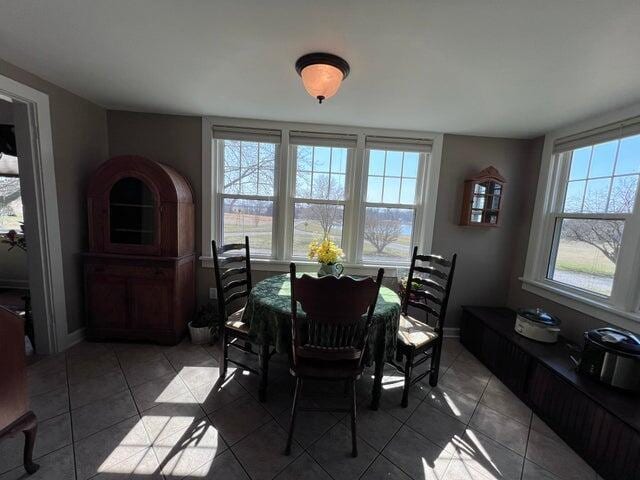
(327, 254)
(205, 327)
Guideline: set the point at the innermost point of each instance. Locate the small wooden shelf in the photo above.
(482, 199)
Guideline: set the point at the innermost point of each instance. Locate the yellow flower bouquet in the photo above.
(327, 253)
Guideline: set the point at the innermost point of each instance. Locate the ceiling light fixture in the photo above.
(322, 74)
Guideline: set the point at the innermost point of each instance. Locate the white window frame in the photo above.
(285, 187)
(221, 196)
(622, 308)
(418, 206)
(346, 203)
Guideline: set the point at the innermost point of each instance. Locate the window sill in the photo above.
(269, 265)
(600, 310)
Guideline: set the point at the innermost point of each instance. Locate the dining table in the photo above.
(268, 314)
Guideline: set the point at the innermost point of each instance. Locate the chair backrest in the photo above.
(337, 315)
(429, 285)
(237, 276)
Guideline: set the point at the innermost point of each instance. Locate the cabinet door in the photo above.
(151, 304)
(107, 301)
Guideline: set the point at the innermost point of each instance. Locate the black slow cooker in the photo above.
(613, 357)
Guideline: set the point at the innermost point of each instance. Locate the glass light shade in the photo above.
(321, 81)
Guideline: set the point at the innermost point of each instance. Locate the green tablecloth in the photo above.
(268, 313)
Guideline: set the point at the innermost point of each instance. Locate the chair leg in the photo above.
(294, 411)
(263, 357)
(225, 353)
(435, 364)
(30, 430)
(354, 438)
(408, 370)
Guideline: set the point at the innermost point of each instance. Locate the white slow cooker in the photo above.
(538, 325)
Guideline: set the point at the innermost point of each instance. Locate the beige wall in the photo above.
(574, 323)
(79, 131)
(485, 254)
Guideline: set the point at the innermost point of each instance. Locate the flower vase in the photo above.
(334, 269)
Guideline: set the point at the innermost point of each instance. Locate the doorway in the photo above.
(37, 189)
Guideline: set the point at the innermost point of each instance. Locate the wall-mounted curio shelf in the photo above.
(482, 199)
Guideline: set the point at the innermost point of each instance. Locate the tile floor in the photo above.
(122, 411)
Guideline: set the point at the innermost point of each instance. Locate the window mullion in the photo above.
(283, 226)
(354, 209)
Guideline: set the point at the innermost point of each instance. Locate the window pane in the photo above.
(376, 162)
(387, 234)
(580, 163)
(321, 159)
(336, 189)
(573, 198)
(313, 222)
(393, 167)
(304, 158)
(595, 196)
(391, 192)
(374, 189)
(629, 156)
(408, 192)
(339, 160)
(248, 167)
(410, 167)
(623, 194)
(248, 217)
(587, 253)
(10, 204)
(303, 184)
(321, 186)
(602, 160)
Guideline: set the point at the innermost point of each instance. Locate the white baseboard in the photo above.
(10, 283)
(451, 332)
(72, 338)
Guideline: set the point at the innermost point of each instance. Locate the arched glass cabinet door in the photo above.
(132, 213)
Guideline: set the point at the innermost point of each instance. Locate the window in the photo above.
(392, 199)
(587, 246)
(247, 187)
(320, 190)
(365, 192)
(10, 199)
(600, 193)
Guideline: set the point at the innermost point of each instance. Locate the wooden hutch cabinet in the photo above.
(140, 268)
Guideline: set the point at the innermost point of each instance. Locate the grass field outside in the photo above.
(259, 229)
(584, 266)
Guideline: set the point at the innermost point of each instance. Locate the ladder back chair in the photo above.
(329, 340)
(232, 284)
(428, 288)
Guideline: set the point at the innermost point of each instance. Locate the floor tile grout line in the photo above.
(73, 442)
(526, 446)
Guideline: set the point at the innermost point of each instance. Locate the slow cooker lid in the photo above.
(616, 340)
(538, 315)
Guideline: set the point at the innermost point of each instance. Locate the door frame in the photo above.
(40, 201)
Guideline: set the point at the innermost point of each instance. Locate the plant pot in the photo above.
(199, 335)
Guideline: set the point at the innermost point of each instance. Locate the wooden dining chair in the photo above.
(15, 416)
(428, 288)
(232, 285)
(329, 339)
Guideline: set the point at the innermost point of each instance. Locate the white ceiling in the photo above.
(513, 68)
